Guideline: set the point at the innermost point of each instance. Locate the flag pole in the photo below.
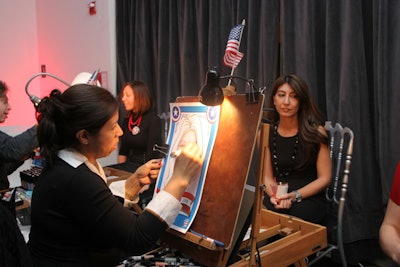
(240, 39)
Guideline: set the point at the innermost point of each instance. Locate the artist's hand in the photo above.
(144, 175)
(189, 162)
(187, 167)
(148, 172)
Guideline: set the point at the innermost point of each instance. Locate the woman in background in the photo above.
(14, 150)
(298, 152)
(142, 126)
(142, 130)
(76, 220)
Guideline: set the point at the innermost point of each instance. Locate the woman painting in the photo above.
(76, 220)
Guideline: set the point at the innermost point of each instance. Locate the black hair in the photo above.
(3, 89)
(309, 115)
(62, 115)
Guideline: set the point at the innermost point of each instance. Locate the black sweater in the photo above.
(139, 148)
(76, 221)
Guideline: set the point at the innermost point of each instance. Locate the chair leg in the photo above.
(322, 254)
(339, 245)
(342, 254)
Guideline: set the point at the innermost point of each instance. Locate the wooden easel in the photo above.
(224, 187)
(257, 206)
(223, 199)
(300, 238)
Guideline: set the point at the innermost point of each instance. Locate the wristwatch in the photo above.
(298, 196)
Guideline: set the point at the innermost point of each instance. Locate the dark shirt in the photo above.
(13, 152)
(76, 221)
(13, 249)
(139, 148)
(311, 209)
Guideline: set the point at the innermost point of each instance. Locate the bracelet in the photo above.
(131, 197)
(298, 196)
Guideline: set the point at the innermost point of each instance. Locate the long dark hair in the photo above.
(309, 115)
(62, 115)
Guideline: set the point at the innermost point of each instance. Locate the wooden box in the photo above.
(294, 239)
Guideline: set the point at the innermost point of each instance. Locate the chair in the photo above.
(340, 146)
(14, 251)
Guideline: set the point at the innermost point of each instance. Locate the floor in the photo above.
(379, 263)
(365, 253)
(374, 259)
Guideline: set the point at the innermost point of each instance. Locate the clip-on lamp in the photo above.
(211, 94)
(36, 100)
(83, 77)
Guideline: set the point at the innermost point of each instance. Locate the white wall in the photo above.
(19, 56)
(60, 34)
(71, 41)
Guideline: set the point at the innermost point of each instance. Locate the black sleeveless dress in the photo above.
(312, 209)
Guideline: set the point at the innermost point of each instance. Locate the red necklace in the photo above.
(133, 126)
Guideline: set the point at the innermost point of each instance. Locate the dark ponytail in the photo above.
(62, 115)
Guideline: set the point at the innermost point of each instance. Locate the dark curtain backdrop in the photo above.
(171, 44)
(347, 51)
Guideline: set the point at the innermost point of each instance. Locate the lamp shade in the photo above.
(84, 77)
(211, 94)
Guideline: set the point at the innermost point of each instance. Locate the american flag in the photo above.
(232, 55)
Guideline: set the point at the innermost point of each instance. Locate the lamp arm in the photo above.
(46, 74)
(249, 81)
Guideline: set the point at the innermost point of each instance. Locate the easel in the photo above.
(223, 204)
(300, 238)
(224, 188)
(257, 206)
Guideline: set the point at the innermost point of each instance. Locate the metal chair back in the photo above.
(340, 147)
